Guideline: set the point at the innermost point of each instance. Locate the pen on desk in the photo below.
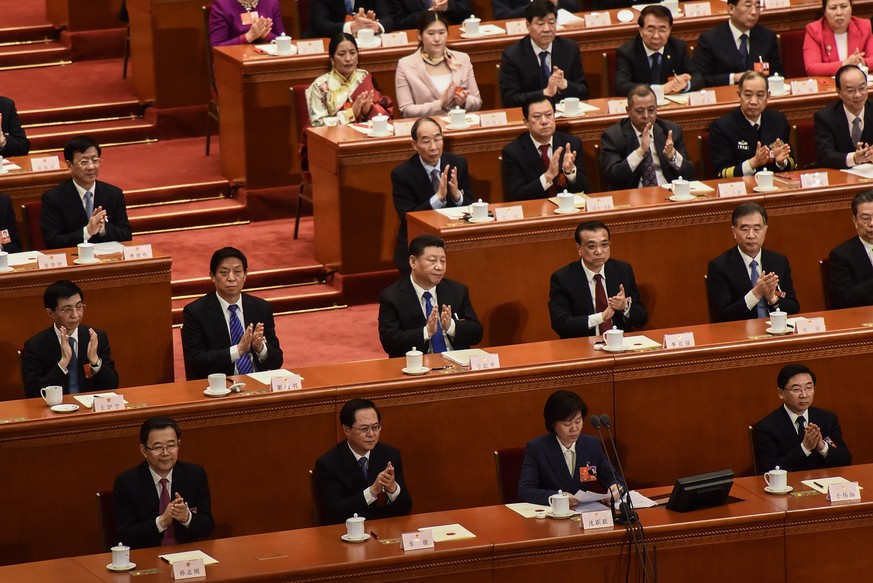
(819, 485)
(374, 535)
(443, 367)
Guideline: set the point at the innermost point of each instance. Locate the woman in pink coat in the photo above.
(837, 39)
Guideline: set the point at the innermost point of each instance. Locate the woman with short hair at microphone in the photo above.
(563, 459)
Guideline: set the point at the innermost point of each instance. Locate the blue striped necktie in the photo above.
(244, 364)
(761, 307)
(437, 342)
(73, 368)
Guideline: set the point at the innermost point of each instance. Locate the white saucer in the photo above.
(377, 42)
(387, 134)
(468, 35)
(572, 212)
(614, 350)
(65, 408)
(779, 332)
(625, 16)
(675, 198)
(7, 269)
(762, 189)
(84, 262)
(568, 116)
(770, 490)
(451, 127)
(551, 514)
(784, 93)
(348, 539)
(270, 49)
(420, 371)
(236, 387)
(209, 393)
(121, 568)
(485, 220)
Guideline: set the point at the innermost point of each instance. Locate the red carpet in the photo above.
(17, 13)
(162, 163)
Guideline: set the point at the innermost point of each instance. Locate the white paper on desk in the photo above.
(640, 342)
(680, 98)
(825, 482)
(23, 258)
(108, 248)
(696, 186)
(462, 357)
(583, 496)
(583, 107)
(862, 170)
(266, 376)
(448, 532)
(454, 212)
(88, 400)
(639, 501)
(189, 556)
(7, 165)
(526, 509)
(567, 17)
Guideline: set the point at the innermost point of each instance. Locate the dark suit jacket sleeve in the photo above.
(518, 172)
(721, 147)
(194, 489)
(624, 69)
(134, 528)
(52, 221)
(776, 443)
(201, 359)
(397, 340)
(107, 377)
(322, 22)
(468, 329)
(824, 127)
(538, 480)
(563, 289)
(574, 74)
(704, 60)
(637, 317)
(36, 374)
(529, 489)
(851, 280)
(9, 223)
(258, 310)
(614, 151)
(686, 170)
(511, 77)
(117, 225)
(17, 143)
(781, 266)
(721, 296)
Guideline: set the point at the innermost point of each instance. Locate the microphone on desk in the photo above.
(595, 423)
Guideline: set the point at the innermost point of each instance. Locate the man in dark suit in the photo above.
(9, 240)
(642, 150)
(229, 331)
(68, 354)
(360, 475)
(590, 296)
(409, 309)
(564, 459)
(542, 162)
(83, 208)
(430, 179)
(405, 14)
(750, 138)
(798, 436)
(850, 264)
(746, 281)
(506, 9)
(328, 18)
(162, 501)
(844, 129)
(654, 57)
(739, 45)
(541, 64)
(13, 140)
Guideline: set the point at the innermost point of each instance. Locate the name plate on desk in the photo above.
(593, 19)
(286, 383)
(45, 164)
(509, 213)
(490, 120)
(844, 492)
(516, 27)
(809, 325)
(310, 47)
(702, 97)
(484, 362)
(683, 340)
(395, 39)
(108, 403)
(596, 519)
(771, 4)
(403, 128)
(137, 252)
(617, 106)
(50, 260)
(415, 541)
(693, 9)
(814, 180)
(804, 87)
(189, 569)
(727, 189)
(599, 203)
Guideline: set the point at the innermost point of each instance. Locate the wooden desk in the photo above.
(668, 244)
(129, 300)
(660, 402)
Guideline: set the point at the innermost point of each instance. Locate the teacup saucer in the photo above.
(614, 350)
(418, 371)
(675, 198)
(65, 408)
(783, 93)
(86, 261)
(765, 189)
(121, 568)
(452, 127)
(571, 115)
(372, 134)
(6, 269)
(375, 43)
(220, 393)
(485, 220)
(782, 332)
(349, 539)
(770, 490)
(551, 514)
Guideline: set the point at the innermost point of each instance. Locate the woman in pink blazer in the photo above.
(434, 79)
(837, 39)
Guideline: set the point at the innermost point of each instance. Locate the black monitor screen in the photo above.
(701, 491)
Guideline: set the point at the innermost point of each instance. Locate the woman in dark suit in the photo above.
(837, 39)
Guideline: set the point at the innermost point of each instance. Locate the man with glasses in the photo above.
(360, 475)
(590, 296)
(542, 162)
(798, 436)
(83, 209)
(851, 263)
(430, 179)
(162, 501)
(844, 129)
(68, 354)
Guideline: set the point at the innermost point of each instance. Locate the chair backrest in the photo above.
(791, 46)
(609, 72)
(824, 269)
(318, 513)
(302, 9)
(206, 11)
(713, 316)
(301, 122)
(31, 212)
(600, 177)
(508, 462)
(752, 447)
(106, 517)
(705, 171)
(803, 144)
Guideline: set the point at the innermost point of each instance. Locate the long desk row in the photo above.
(260, 446)
(754, 530)
(507, 265)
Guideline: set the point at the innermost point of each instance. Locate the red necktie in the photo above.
(169, 534)
(600, 303)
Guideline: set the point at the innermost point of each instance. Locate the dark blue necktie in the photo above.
(656, 68)
(350, 6)
(363, 462)
(73, 368)
(761, 307)
(89, 204)
(801, 426)
(244, 364)
(744, 51)
(437, 342)
(545, 70)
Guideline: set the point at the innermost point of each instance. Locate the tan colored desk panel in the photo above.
(668, 244)
(129, 300)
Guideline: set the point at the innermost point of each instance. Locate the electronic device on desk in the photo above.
(701, 491)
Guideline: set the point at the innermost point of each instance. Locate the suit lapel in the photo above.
(411, 302)
(861, 258)
(738, 266)
(149, 489)
(580, 282)
(727, 40)
(558, 463)
(215, 315)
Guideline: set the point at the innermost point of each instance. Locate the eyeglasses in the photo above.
(85, 162)
(170, 447)
(429, 141)
(68, 310)
(365, 429)
(798, 390)
(593, 246)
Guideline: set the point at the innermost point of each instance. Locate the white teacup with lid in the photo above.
(355, 527)
(413, 360)
(282, 44)
(776, 480)
(560, 503)
(471, 25)
(614, 338)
